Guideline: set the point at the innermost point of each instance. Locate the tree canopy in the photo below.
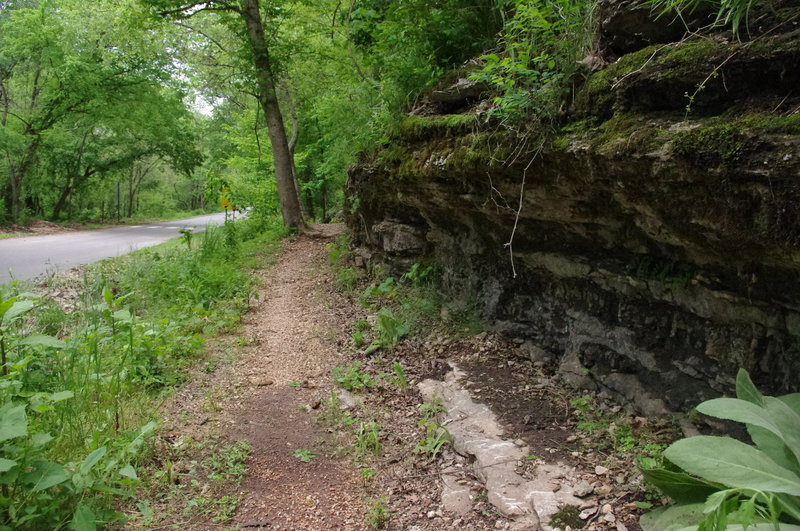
(94, 93)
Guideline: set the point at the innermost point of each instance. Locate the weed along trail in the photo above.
(292, 482)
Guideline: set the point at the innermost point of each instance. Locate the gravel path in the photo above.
(293, 332)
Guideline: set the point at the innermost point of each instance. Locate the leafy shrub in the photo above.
(541, 42)
(727, 484)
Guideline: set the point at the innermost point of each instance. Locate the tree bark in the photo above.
(292, 144)
(268, 99)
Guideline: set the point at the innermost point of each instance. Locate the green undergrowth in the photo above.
(411, 304)
(611, 436)
(195, 481)
(360, 431)
(86, 364)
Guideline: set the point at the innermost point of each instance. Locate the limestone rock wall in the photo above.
(660, 250)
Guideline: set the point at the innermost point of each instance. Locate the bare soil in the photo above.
(35, 227)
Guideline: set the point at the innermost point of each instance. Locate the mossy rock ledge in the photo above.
(658, 242)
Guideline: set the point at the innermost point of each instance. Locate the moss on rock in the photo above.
(424, 127)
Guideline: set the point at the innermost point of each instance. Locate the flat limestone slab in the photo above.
(475, 432)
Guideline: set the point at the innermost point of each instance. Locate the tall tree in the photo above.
(251, 26)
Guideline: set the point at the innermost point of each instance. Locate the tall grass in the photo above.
(79, 389)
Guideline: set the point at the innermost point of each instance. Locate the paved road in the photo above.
(33, 256)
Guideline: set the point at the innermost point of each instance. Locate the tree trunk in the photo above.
(16, 175)
(292, 144)
(62, 200)
(130, 190)
(268, 99)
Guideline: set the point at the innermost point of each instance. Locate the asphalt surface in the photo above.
(34, 256)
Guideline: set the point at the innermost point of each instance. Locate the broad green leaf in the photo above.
(6, 464)
(41, 340)
(83, 519)
(792, 400)
(40, 439)
(763, 526)
(61, 395)
(13, 422)
(790, 505)
(5, 305)
(773, 446)
(100, 487)
(129, 472)
(787, 421)
(123, 316)
(746, 390)
(108, 297)
(680, 486)
(732, 463)
(144, 431)
(739, 411)
(717, 499)
(45, 474)
(92, 459)
(17, 309)
(81, 481)
(672, 518)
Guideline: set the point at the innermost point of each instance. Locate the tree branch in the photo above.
(210, 6)
(201, 32)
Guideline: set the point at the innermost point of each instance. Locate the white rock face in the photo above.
(476, 432)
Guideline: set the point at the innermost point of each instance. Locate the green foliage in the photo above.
(378, 515)
(368, 437)
(399, 378)
(386, 289)
(338, 257)
(436, 435)
(89, 101)
(613, 432)
(76, 408)
(728, 12)
(304, 454)
(727, 484)
(541, 43)
(227, 462)
(389, 330)
(418, 274)
(567, 515)
(352, 378)
(431, 410)
(367, 474)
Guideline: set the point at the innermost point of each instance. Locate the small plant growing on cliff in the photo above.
(727, 484)
(732, 12)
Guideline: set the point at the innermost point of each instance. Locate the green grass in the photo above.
(79, 389)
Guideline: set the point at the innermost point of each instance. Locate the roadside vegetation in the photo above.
(87, 361)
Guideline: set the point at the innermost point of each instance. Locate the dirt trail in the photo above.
(292, 339)
(293, 332)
